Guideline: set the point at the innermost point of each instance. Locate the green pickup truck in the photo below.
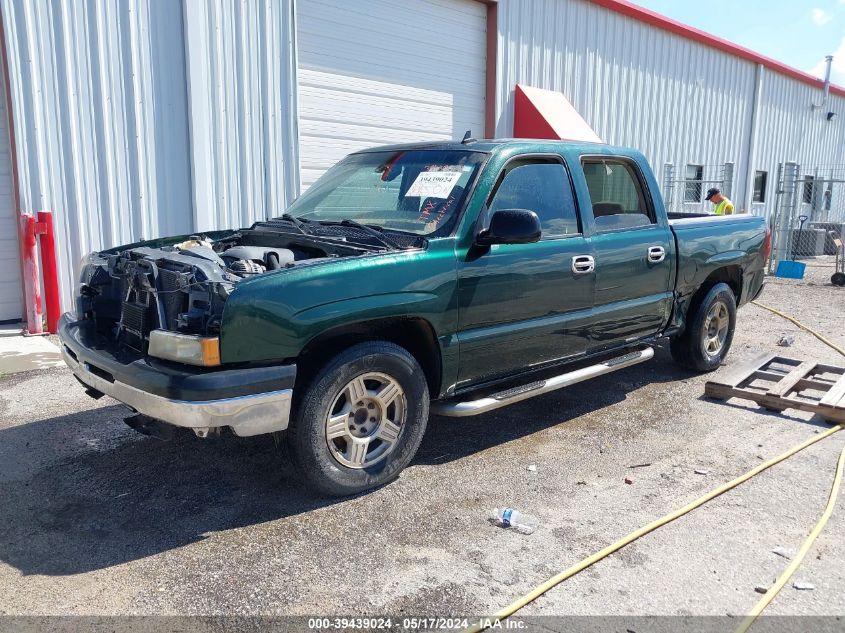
(452, 278)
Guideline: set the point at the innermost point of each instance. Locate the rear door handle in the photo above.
(582, 264)
(656, 254)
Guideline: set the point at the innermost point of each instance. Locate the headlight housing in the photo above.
(85, 269)
(203, 351)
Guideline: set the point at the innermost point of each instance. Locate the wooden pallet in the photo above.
(778, 383)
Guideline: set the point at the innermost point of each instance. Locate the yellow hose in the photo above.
(805, 547)
(633, 536)
(831, 500)
(801, 325)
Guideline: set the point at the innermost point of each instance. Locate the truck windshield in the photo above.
(414, 191)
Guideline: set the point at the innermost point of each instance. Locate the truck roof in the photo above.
(491, 145)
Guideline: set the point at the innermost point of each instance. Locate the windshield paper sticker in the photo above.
(434, 184)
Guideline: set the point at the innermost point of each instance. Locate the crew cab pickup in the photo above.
(452, 278)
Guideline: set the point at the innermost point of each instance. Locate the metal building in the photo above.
(132, 119)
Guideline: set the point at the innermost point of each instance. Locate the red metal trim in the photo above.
(492, 65)
(32, 287)
(702, 37)
(50, 270)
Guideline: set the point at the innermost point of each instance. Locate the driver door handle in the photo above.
(656, 254)
(582, 264)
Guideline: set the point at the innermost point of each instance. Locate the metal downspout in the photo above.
(295, 169)
(828, 60)
(751, 157)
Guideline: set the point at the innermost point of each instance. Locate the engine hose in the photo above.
(633, 536)
(273, 261)
(801, 325)
(805, 547)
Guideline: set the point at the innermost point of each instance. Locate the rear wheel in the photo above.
(838, 279)
(709, 333)
(361, 420)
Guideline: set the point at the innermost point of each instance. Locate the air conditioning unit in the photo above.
(808, 243)
(834, 230)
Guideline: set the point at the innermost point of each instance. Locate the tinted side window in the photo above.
(542, 187)
(616, 195)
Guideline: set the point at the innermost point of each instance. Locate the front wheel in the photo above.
(709, 333)
(361, 420)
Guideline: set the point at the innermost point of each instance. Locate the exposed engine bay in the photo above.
(182, 286)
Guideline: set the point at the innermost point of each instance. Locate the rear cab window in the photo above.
(617, 194)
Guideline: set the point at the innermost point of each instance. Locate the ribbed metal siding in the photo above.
(791, 130)
(241, 74)
(676, 100)
(100, 113)
(143, 118)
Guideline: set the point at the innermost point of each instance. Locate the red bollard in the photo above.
(32, 287)
(49, 270)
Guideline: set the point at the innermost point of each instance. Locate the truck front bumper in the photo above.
(252, 400)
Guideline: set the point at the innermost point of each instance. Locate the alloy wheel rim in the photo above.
(365, 420)
(716, 328)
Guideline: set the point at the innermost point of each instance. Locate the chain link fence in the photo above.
(809, 215)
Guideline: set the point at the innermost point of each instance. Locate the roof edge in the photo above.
(655, 19)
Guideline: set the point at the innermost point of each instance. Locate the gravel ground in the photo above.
(97, 519)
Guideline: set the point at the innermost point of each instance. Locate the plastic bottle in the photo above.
(508, 517)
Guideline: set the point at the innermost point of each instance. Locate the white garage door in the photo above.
(10, 270)
(387, 71)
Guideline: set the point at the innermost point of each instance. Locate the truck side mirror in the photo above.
(511, 226)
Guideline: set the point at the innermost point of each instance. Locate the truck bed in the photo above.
(709, 242)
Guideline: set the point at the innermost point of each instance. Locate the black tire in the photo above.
(692, 348)
(318, 458)
(838, 279)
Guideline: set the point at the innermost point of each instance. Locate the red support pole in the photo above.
(32, 286)
(50, 271)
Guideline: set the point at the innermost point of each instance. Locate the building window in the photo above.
(761, 179)
(809, 189)
(828, 197)
(692, 186)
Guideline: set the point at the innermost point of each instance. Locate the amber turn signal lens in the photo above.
(203, 351)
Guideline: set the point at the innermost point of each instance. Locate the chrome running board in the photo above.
(454, 409)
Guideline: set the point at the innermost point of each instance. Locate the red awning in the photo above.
(542, 113)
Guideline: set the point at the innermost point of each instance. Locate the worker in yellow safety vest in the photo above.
(723, 205)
